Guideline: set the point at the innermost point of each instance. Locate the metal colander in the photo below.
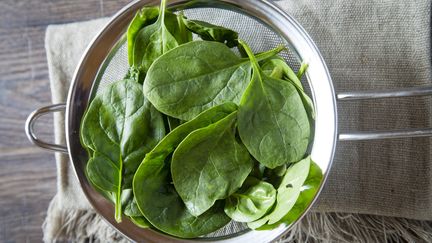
(262, 25)
(258, 35)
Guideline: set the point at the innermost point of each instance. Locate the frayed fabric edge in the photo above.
(349, 228)
(86, 226)
(71, 225)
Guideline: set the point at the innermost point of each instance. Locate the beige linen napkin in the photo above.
(370, 44)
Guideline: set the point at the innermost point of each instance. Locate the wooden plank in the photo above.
(28, 174)
(27, 184)
(24, 82)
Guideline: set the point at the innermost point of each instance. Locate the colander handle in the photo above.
(29, 128)
(406, 133)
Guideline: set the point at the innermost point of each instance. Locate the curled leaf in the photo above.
(287, 193)
(211, 32)
(252, 202)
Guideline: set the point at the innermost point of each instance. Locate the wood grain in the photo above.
(28, 174)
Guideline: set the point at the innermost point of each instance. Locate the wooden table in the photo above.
(28, 174)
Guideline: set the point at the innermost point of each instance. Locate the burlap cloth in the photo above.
(377, 191)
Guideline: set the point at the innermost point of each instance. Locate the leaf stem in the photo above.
(118, 204)
(162, 10)
(265, 55)
(302, 70)
(250, 54)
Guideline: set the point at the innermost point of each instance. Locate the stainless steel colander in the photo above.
(263, 26)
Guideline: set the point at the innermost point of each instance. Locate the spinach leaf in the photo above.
(277, 68)
(156, 39)
(132, 211)
(196, 76)
(210, 164)
(210, 32)
(182, 33)
(308, 192)
(143, 17)
(272, 121)
(140, 222)
(287, 193)
(251, 202)
(135, 75)
(155, 194)
(118, 129)
(274, 67)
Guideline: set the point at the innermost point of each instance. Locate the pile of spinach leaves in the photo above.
(195, 136)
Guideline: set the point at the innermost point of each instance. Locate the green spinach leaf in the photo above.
(118, 129)
(272, 121)
(308, 192)
(196, 76)
(144, 17)
(210, 164)
(132, 211)
(277, 68)
(156, 39)
(135, 75)
(251, 202)
(181, 32)
(210, 32)
(141, 222)
(155, 194)
(287, 193)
